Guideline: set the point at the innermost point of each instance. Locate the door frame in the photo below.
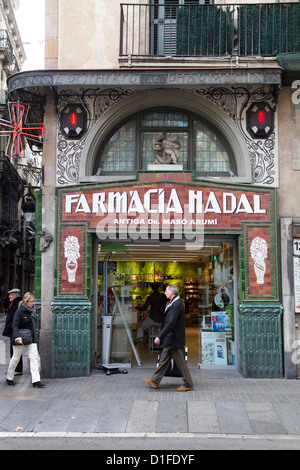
(208, 239)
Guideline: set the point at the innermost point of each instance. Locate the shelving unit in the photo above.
(153, 332)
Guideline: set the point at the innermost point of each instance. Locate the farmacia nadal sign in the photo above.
(155, 210)
(165, 205)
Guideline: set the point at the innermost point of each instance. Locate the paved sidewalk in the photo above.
(124, 403)
(223, 403)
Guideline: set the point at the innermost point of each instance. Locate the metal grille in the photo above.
(197, 28)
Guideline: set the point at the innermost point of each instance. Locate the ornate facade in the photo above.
(104, 194)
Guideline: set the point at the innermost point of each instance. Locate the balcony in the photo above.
(181, 32)
(6, 53)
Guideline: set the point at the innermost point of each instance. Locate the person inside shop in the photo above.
(157, 303)
(24, 336)
(14, 296)
(172, 340)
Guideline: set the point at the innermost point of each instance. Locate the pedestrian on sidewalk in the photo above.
(14, 296)
(25, 319)
(172, 339)
(157, 303)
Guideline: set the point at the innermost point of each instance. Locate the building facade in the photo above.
(170, 155)
(16, 239)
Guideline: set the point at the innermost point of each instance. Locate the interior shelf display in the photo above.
(196, 296)
(139, 276)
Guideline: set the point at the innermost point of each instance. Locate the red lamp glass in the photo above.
(260, 120)
(73, 121)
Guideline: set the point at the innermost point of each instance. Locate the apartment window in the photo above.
(129, 147)
(164, 24)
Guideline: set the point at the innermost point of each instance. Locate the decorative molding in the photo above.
(234, 101)
(97, 90)
(95, 102)
(45, 240)
(136, 78)
(154, 98)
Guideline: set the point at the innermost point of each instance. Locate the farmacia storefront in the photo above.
(124, 218)
(216, 242)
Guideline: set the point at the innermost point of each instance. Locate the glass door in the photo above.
(216, 297)
(207, 284)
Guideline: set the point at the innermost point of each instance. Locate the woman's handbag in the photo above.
(26, 336)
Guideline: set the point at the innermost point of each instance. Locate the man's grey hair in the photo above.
(174, 288)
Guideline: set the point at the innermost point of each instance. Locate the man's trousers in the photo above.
(164, 362)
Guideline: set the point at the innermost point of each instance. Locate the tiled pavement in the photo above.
(123, 403)
(223, 403)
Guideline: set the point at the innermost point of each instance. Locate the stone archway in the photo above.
(142, 100)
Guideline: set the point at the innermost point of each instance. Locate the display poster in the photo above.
(297, 283)
(214, 348)
(220, 321)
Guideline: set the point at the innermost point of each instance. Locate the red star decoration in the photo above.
(16, 129)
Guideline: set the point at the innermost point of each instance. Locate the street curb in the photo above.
(100, 435)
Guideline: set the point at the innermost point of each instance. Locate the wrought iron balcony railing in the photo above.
(6, 45)
(209, 30)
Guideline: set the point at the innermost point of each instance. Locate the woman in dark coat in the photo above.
(14, 300)
(24, 319)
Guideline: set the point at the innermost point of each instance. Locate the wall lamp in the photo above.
(28, 206)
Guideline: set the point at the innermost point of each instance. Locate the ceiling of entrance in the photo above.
(168, 253)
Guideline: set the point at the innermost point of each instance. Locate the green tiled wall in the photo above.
(38, 258)
(261, 340)
(71, 338)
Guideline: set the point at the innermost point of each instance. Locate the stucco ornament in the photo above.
(167, 149)
(45, 240)
(72, 253)
(259, 252)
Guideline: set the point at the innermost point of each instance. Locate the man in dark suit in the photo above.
(14, 299)
(172, 339)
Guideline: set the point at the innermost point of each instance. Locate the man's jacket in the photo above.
(172, 334)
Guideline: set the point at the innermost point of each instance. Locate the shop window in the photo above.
(211, 153)
(120, 149)
(130, 146)
(205, 282)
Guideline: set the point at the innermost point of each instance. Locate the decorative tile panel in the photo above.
(260, 262)
(261, 340)
(71, 338)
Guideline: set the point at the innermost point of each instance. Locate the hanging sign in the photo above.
(17, 128)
